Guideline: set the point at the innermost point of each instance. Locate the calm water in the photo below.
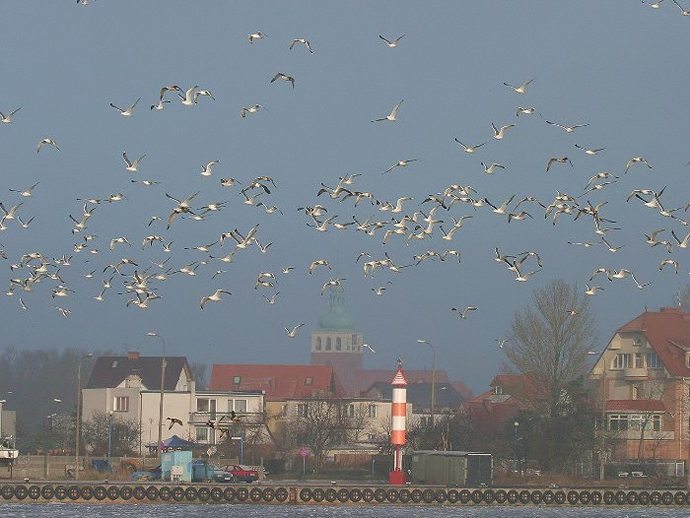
(58, 510)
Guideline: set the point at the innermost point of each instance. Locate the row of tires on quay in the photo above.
(381, 495)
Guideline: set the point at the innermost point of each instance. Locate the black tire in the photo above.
(139, 493)
(621, 497)
(440, 496)
(679, 498)
(643, 498)
(631, 497)
(282, 494)
(20, 492)
(203, 494)
(356, 494)
(477, 496)
(268, 494)
(655, 498)
(596, 497)
(573, 497)
(331, 495)
(667, 498)
(241, 494)
(60, 492)
(7, 492)
(585, 497)
(113, 492)
(416, 495)
(34, 492)
(501, 496)
(392, 495)
(305, 494)
(367, 494)
(513, 497)
(465, 496)
(380, 495)
(47, 492)
(86, 492)
(343, 495)
(190, 494)
(609, 497)
(178, 494)
(536, 497)
(404, 495)
(152, 493)
(73, 492)
(428, 496)
(229, 494)
(216, 494)
(453, 495)
(126, 492)
(547, 497)
(559, 497)
(99, 493)
(255, 494)
(165, 493)
(525, 497)
(318, 494)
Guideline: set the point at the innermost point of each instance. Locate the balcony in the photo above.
(635, 373)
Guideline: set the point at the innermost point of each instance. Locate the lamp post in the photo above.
(516, 450)
(110, 435)
(241, 439)
(433, 377)
(160, 408)
(1, 403)
(78, 417)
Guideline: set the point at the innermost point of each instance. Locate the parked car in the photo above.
(242, 473)
(151, 474)
(202, 471)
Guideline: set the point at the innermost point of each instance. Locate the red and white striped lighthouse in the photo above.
(399, 425)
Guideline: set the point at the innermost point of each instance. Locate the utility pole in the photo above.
(160, 407)
(602, 425)
(78, 416)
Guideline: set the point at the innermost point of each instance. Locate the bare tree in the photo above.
(124, 434)
(682, 299)
(548, 346)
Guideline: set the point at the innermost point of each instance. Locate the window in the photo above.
(328, 343)
(318, 343)
(284, 411)
(348, 410)
(371, 437)
(618, 422)
(354, 339)
(498, 390)
(308, 380)
(202, 405)
(372, 410)
(202, 433)
(656, 423)
(301, 409)
(338, 344)
(653, 361)
(636, 392)
(236, 379)
(638, 360)
(622, 361)
(121, 404)
(240, 405)
(621, 422)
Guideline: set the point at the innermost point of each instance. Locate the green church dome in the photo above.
(337, 318)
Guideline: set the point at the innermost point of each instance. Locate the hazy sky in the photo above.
(617, 66)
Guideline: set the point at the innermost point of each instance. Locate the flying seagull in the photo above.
(7, 119)
(284, 77)
(394, 43)
(302, 41)
(521, 88)
(129, 111)
(392, 116)
(292, 333)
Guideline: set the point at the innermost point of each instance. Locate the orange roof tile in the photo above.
(278, 381)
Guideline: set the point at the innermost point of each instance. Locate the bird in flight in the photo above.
(469, 149)
(392, 116)
(214, 297)
(367, 346)
(292, 333)
(558, 160)
(284, 77)
(255, 36)
(302, 41)
(392, 43)
(463, 313)
(637, 160)
(132, 165)
(7, 119)
(26, 192)
(500, 133)
(521, 88)
(567, 129)
(400, 163)
(46, 142)
(173, 422)
(129, 111)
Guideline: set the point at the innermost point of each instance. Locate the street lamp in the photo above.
(160, 408)
(516, 426)
(110, 435)
(78, 418)
(433, 377)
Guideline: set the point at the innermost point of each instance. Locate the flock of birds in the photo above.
(137, 275)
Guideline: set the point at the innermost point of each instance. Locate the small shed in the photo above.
(176, 465)
(451, 468)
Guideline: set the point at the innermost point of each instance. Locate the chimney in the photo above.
(133, 355)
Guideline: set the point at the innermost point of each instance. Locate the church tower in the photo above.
(337, 343)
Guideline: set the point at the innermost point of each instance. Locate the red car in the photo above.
(242, 473)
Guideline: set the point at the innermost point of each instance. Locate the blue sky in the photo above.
(617, 67)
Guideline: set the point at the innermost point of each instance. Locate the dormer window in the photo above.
(236, 379)
(498, 390)
(638, 342)
(308, 380)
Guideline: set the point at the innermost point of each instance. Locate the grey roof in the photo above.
(110, 371)
(419, 394)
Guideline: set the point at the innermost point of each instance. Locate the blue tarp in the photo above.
(173, 443)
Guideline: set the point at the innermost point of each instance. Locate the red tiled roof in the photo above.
(668, 333)
(278, 381)
(637, 405)
(367, 377)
